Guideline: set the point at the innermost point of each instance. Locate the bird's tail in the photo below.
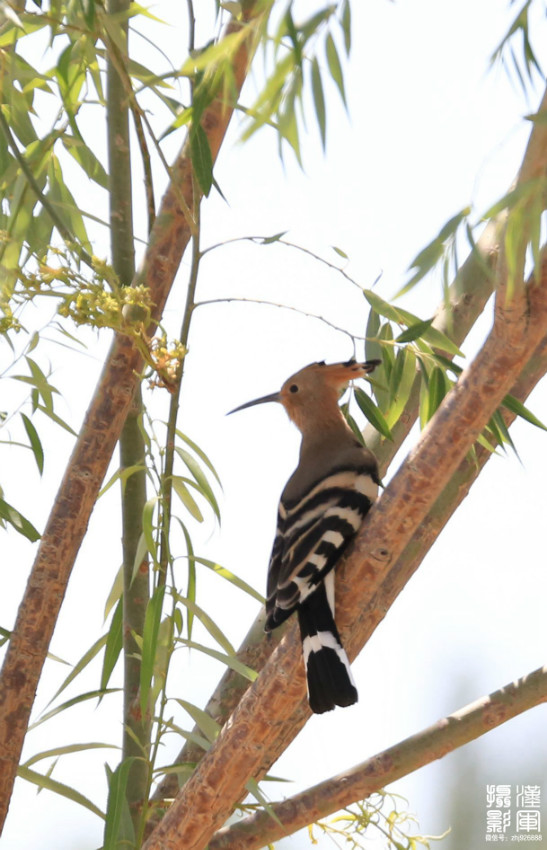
(330, 682)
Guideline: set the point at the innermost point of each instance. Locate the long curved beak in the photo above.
(263, 400)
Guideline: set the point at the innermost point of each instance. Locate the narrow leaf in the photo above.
(233, 579)
(319, 100)
(372, 413)
(35, 443)
(114, 642)
(515, 406)
(98, 694)
(67, 750)
(230, 660)
(202, 160)
(148, 526)
(204, 721)
(18, 521)
(186, 498)
(118, 830)
(86, 658)
(214, 630)
(150, 633)
(414, 331)
(335, 67)
(58, 788)
(200, 477)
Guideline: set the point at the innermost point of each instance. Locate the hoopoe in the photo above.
(321, 508)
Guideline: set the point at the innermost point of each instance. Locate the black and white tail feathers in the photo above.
(313, 531)
(328, 673)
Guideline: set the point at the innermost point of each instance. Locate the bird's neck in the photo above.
(330, 429)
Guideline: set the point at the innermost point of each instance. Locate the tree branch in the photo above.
(468, 296)
(469, 293)
(87, 466)
(375, 773)
(264, 721)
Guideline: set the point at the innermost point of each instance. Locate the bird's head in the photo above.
(313, 392)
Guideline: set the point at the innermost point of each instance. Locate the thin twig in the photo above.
(266, 303)
(265, 240)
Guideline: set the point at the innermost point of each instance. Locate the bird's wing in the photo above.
(312, 533)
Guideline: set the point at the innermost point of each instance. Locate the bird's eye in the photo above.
(293, 388)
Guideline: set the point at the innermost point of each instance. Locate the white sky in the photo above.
(430, 130)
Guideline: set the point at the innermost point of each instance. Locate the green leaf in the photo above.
(202, 160)
(403, 377)
(201, 480)
(57, 419)
(67, 750)
(98, 694)
(152, 620)
(372, 413)
(192, 579)
(319, 100)
(18, 521)
(233, 579)
(35, 443)
(403, 317)
(121, 475)
(58, 788)
(429, 256)
(42, 384)
(203, 721)
(414, 331)
(86, 159)
(214, 630)
(148, 527)
(229, 660)
(335, 67)
(515, 406)
(373, 349)
(254, 789)
(180, 488)
(352, 423)
(268, 240)
(118, 832)
(68, 211)
(114, 643)
(346, 25)
(438, 386)
(86, 658)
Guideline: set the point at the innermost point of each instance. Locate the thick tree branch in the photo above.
(469, 292)
(468, 296)
(104, 420)
(375, 773)
(264, 721)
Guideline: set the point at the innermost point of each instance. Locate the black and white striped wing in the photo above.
(312, 533)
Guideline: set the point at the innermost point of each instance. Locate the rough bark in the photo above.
(265, 720)
(375, 773)
(469, 293)
(89, 461)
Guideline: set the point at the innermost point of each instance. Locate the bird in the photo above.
(321, 509)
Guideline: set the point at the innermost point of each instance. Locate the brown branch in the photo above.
(468, 295)
(104, 420)
(375, 773)
(270, 713)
